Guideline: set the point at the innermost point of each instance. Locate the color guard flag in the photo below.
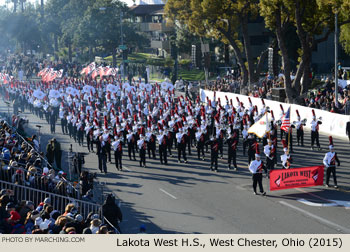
(260, 127)
(286, 121)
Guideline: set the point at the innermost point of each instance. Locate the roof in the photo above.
(147, 9)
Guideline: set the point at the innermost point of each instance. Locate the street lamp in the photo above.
(122, 43)
(336, 57)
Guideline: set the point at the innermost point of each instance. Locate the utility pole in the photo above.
(336, 57)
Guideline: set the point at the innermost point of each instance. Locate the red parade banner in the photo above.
(281, 179)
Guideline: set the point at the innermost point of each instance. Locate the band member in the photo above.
(89, 137)
(245, 136)
(70, 125)
(181, 144)
(220, 136)
(232, 142)
(142, 146)
(162, 141)
(101, 154)
(200, 138)
(280, 122)
(251, 147)
(151, 143)
(170, 140)
(286, 158)
(107, 138)
(118, 152)
(314, 131)
(270, 152)
(256, 167)
(300, 129)
(214, 146)
(289, 134)
(80, 133)
(131, 140)
(329, 161)
(63, 118)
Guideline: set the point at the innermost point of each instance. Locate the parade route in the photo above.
(189, 198)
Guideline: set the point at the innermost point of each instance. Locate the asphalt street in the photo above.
(189, 198)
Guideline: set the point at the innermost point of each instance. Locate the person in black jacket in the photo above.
(112, 213)
(348, 130)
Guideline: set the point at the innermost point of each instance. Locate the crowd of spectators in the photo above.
(24, 67)
(23, 166)
(321, 98)
(26, 217)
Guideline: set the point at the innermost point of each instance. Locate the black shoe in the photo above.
(264, 193)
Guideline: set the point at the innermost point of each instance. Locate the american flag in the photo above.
(286, 121)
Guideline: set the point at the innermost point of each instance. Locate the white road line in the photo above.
(314, 195)
(309, 203)
(320, 219)
(167, 193)
(345, 204)
(126, 168)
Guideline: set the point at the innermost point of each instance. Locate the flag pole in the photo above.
(289, 129)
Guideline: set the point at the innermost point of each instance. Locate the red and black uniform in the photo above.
(232, 143)
(163, 155)
(151, 146)
(90, 139)
(251, 149)
(214, 146)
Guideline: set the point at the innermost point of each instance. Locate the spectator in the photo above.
(95, 225)
(16, 226)
(112, 212)
(29, 223)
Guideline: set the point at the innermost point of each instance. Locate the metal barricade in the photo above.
(58, 202)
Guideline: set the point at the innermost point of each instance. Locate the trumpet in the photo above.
(303, 122)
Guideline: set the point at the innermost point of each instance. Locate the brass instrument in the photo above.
(303, 122)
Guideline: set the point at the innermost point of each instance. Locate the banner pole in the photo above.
(289, 129)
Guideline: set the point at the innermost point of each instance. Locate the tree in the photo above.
(222, 19)
(314, 22)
